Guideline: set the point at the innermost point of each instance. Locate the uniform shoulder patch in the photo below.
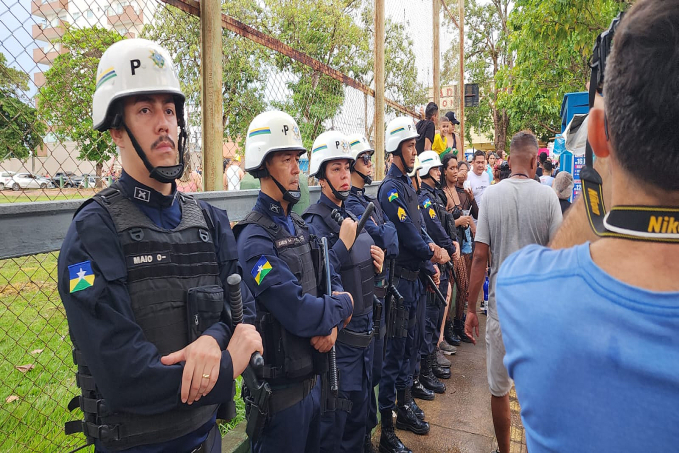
(427, 203)
(261, 269)
(401, 214)
(432, 213)
(80, 276)
(392, 195)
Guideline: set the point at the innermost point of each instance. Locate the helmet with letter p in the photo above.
(136, 67)
(399, 130)
(268, 133)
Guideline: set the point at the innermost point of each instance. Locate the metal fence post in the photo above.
(379, 90)
(211, 72)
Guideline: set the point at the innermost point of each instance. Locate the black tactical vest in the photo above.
(288, 359)
(357, 273)
(176, 293)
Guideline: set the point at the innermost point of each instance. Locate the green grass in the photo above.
(39, 195)
(32, 317)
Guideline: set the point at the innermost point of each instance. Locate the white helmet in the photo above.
(270, 132)
(416, 167)
(429, 160)
(130, 67)
(329, 145)
(359, 145)
(399, 130)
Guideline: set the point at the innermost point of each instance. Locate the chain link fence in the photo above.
(312, 59)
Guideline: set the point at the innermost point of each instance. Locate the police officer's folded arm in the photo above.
(125, 366)
(277, 288)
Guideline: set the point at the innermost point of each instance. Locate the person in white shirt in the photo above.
(478, 178)
(233, 174)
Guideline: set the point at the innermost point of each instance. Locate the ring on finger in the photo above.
(206, 376)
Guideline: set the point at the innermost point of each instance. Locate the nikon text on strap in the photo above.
(639, 223)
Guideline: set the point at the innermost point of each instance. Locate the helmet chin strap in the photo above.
(367, 179)
(165, 174)
(340, 195)
(437, 185)
(291, 196)
(403, 161)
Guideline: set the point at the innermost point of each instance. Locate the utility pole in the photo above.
(436, 29)
(462, 93)
(212, 110)
(379, 90)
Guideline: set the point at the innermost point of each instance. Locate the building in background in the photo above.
(51, 18)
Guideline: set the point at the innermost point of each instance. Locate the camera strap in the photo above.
(639, 223)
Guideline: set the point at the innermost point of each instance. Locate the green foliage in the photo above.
(327, 31)
(486, 55)
(242, 62)
(20, 132)
(552, 40)
(65, 102)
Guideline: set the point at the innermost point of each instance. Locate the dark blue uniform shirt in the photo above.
(125, 366)
(380, 229)
(278, 290)
(412, 245)
(427, 198)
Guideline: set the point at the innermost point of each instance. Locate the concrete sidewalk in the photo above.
(460, 419)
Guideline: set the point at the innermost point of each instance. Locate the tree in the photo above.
(552, 41)
(487, 56)
(65, 102)
(242, 63)
(400, 72)
(326, 31)
(20, 132)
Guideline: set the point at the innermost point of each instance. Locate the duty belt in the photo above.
(286, 397)
(407, 274)
(355, 339)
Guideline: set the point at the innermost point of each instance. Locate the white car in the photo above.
(5, 178)
(29, 181)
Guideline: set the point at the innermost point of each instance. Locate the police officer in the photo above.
(282, 267)
(433, 213)
(142, 273)
(383, 233)
(399, 202)
(342, 430)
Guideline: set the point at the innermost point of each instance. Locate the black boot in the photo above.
(449, 334)
(419, 413)
(389, 442)
(420, 391)
(428, 379)
(406, 418)
(439, 371)
(459, 331)
(368, 444)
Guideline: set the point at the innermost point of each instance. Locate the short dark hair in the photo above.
(431, 110)
(543, 157)
(462, 163)
(641, 93)
(547, 166)
(522, 140)
(479, 153)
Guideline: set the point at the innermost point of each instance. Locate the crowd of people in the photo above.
(315, 310)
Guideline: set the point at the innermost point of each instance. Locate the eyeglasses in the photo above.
(367, 158)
